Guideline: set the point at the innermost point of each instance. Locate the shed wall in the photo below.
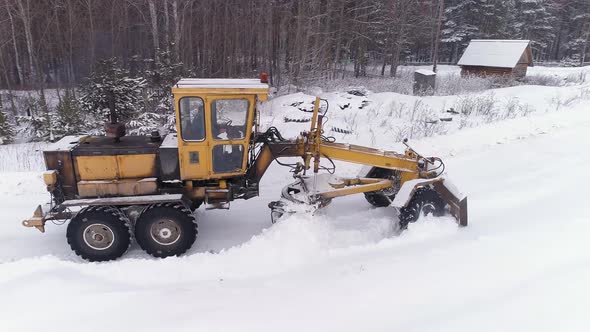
(520, 70)
(484, 71)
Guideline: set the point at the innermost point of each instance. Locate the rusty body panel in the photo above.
(131, 200)
(62, 162)
(457, 206)
(124, 187)
(116, 167)
(106, 168)
(96, 167)
(103, 158)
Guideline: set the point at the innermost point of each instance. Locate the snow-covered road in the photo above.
(523, 264)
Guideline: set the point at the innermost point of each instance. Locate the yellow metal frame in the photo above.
(352, 186)
(242, 142)
(406, 164)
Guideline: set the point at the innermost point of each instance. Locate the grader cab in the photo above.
(111, 187)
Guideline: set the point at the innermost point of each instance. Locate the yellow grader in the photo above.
(117, 188)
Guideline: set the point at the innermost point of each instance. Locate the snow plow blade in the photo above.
(456, 201)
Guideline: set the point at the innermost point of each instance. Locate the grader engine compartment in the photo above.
(95, 166)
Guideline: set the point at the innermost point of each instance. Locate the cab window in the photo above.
(229, 118)
(192, 119)
(228, 158)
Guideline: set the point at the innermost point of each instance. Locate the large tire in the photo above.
(167, 229)
(99, 233)
(378, 198)
(426, 201)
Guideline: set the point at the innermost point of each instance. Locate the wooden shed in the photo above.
(491, 57)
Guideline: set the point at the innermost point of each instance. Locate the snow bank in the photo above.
(24, 157)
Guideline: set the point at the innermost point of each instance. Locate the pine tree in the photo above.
(6, 129)
(110, 79)
(161, 75)
(164, 74)
(68, 118)
(536, 19)
(35, 124)
(497, 19)
(577, 47)
(145, 123)
(461, 25)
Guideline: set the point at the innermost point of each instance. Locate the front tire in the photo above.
(164, 230)
(99, 233)
(380, 198)
(426, 201)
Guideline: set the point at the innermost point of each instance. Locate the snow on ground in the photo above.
(22, 157)
(521, 265)
(558, 71)
(382, 119)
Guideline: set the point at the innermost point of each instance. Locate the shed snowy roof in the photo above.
(495, 53)
(425, 72)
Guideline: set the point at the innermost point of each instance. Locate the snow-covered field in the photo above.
(521, 265)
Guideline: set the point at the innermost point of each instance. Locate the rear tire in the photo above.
(167, 229)
(99, 233)
(426, 201)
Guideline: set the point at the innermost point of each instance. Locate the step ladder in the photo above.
(217, 201)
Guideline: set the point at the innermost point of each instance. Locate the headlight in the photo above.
(50, 178)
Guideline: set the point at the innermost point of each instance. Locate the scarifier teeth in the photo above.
(302, 120)
(341, 131)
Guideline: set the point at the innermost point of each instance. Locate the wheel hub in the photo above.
(165, 232)
(99, 236)
(428, 209)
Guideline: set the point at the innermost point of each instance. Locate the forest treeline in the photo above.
(45, 43)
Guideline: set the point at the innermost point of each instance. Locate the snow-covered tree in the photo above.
(161, 75)
(497, 19)
(68, 118)
(6, 129)
(145, 123)
(576, 49)
(36, 125)
(110, 82)
(164, 73)
(461, 25)
(535, 21)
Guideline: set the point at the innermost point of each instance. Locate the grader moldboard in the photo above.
(115, 188)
